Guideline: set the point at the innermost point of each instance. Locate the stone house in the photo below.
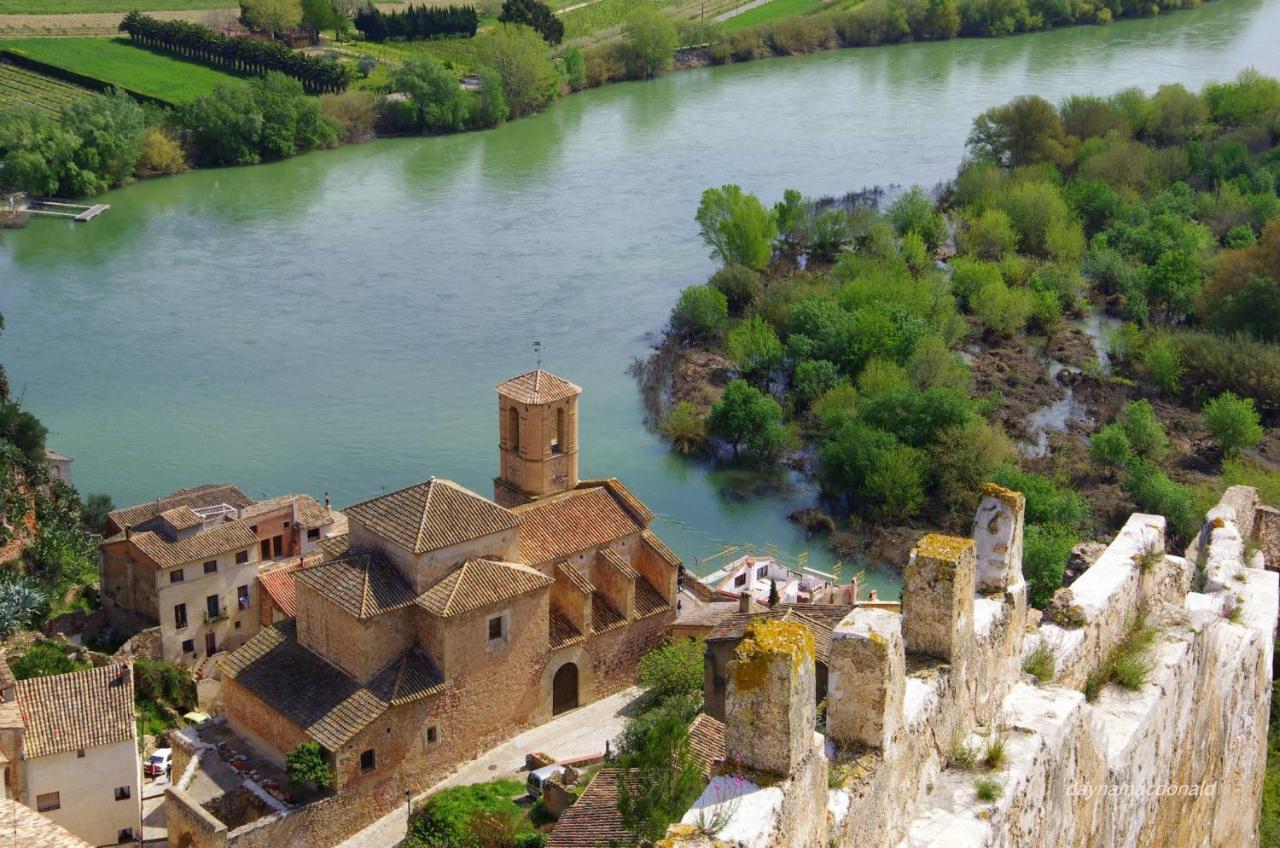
(449, 622)
(59, 466)
(69, 749)
(189, 563)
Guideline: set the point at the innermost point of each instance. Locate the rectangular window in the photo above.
(433, 735)
(176, 576)
(277, 546)
(48, 801)
(740, 580)
(287, 523)
(242, 557)
(212, 606)
(242, 597)
(367, 760)
(80, 753)
(179, 616)
(313, 534)
(188, 646)
(124, 793)
(497, 628)
(211, 567)
(762, 571)
(125, 836)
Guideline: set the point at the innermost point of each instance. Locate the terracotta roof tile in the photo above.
(431, 515)
(568, 574)
(201, 496)
(563, 631)
(593, 820)
(706, 739)
(478, 583)
(181, 518)
(614, 560)
(603, 615)
(565, 524)
(310, 514)
(623, 496)
(327, 704)
(537, 387)
(334, 547)
(361, 584)
(81, 709)
(220, 539)
(649, 601)
(30, 829)
(653, 543)
(278, 585)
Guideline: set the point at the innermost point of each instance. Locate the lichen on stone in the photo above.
(765, 639)
(1008, 497)
(938, 546)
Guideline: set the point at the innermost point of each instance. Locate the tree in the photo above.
(94, 512)
(650, 41)
(1024, 131)
(896, 482)
(523, 60)
(24, 431)
(488, 105)
(988, 234)
(916, 212)
(747, 417)
(575, 69)
(812, 378)
(1234, 423)
(1109, 447)
(672, 670)
(699, 313)
(1045, 551)
(1144, 430)
(534, 14)
(320, 15)
(754, 348)
(660, 776)
(773, 593)
(441, 103)
(110, 128)
(850, 456)
(684, 428)
(736, 226)
(1173, 283)
(39, 154)
(307, 764)
(791, 214)
(739, 284)
(273, 16)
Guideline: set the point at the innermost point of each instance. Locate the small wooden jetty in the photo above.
(74, 211)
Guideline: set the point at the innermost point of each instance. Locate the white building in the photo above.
(72, 752)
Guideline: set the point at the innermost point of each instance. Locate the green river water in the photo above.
(337, 322)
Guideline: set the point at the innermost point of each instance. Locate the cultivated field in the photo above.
(118, 62)
(66, 7)
(19, 87)
(772, 11)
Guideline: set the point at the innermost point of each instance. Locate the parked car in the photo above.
(161, 762)
(538, 778)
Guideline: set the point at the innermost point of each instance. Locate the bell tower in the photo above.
(538, 437)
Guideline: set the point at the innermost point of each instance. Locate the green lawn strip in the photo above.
(19, 86)
(603, 15)
(772, 11)
(119, 62)
(83, 7)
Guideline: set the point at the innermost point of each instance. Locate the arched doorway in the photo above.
(564, 689)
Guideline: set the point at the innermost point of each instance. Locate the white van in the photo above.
(538, 778)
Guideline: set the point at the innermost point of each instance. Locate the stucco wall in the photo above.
(86, 787)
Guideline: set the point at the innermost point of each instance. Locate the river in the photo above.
(337, 322)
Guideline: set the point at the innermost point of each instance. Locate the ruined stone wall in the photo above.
(907, 692)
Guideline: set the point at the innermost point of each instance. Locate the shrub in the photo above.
(523, 62)
(1002, 310)
(160, 154)
(1157, 494)
(355, 112)
(21, 602)
(1046, 502)
(244, 123)
(1145, 432)
(43, 659)
(1040, 664)
(916, 212)
(575, 69)
(739, 284)
(672, 670)
(684, 428)
(754, 347)
(433, 88)
(987, 790)
(1165, 365)
(737, 226)
(488, 105)
(801, 34)
(1234, 422)
(812, 378)
(306, 764)
(988, 234)
(650, 40)
(1045, 550)
(699, 313)
(747, 418)
(1109, 447)
(968, 276)
(1240, 365)
(896, 482)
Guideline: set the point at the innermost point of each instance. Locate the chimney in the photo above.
(744, 602)
(128, 531)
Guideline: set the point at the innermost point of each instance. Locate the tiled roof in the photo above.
(622, 495)
(431, 515)
(334, 547)
(649, 601)
(537, 387)
(310, 513)
(821, 619)
(653, 543)
(706, 740)
(563, 631)
(327, 704)
(6, 674)
(593, 820)
(28, 828)
(603, 615)
(220, 539)
(707, 614)
(181, 518)
(361, 584)
(201, 496)
(278, 585)
(572, 576)
(565, 524)
(81, 709)
(478, 583)
(614, 560)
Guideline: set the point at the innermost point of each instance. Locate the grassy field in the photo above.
(19, 86)
(69, 7)
(119, 62)
(770, 12)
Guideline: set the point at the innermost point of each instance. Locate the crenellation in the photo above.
(937, 598)
(866, 681)
(770, 704)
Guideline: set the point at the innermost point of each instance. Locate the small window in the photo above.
(124, 793)
(313, 534)
(287, 523)
(242, 597)
(124, 836)
(433, 735)
(176, 576)
(497, 628)
(188, 646)
(211, 567)
(740, 580)
(253, 528)
(242, 557)
(80, 753)
(367, 760)
(762, 571)
(179, 616)
(48, 801)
